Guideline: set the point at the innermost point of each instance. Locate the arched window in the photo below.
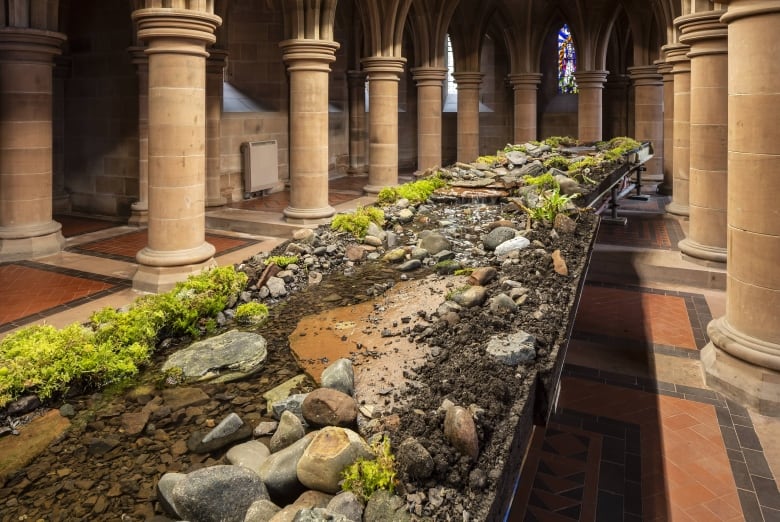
(567, 62)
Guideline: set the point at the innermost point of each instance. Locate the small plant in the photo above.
(416, 191)
(557, 162)
(365, 476)
(356, 223)
(553, 203)
(253, 313)
(464, 272)
(281, 261)
(543, 182)
(515, 148)
(450, 296)
(448, 266)
(561, 141)
(488, 160)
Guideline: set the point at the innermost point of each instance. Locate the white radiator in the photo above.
(261, 165)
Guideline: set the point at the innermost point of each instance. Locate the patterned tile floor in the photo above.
(636, 436)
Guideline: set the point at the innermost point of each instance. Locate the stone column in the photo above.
(468, 84)
(590, 110)
(665, 69)
(677, 56)
(215, 65)
(60, 197)
(742, 359)
(358, 160)
(384, 73)
(139, 210)
(308, 62)
(649, 112)
(27, 229)
(707, 37)
(429, 105)
(617, 106)
(526, 91)
(176, 46)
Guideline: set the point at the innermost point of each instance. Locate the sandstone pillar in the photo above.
(60, 197)
(649, 112)
(590, 109)
(706, 35)
(525, 87)
(468, 84)
(429, 105)
(139, 210)
(308, 62)
(742, 359)
(677, 56)
(27, 229)
(665, 69)
(215, 65)
(176, 46)
(358, 158)
(384, 73)
(617, 106)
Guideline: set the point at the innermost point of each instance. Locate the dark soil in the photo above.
(75, 479)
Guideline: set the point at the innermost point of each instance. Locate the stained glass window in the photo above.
(567, 62)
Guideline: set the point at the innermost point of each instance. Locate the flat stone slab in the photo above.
(222, 358)
(17, 451)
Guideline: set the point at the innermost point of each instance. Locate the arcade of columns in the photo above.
(716, 143)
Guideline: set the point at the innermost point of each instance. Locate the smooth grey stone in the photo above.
(217, 494)
(340, 376)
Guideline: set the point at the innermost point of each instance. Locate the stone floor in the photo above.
(636, 436)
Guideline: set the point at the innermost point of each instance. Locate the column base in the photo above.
(743, 368)
(29, 242)
(216, 202)
(306, 215)
(664, 189)
(139, 215)
(360, 170)
(157, 279)
(705, 255)
(677, 209)
(376, 189)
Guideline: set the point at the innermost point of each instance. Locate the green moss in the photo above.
(282, 261)
(488, 160)
(365, 476)
(448, 266)
(542, 182)
(560, 141)
(557, 162)
(253, 313)
(113, 345)
(416, 191)
(356, 223)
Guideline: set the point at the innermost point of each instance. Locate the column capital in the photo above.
(385, 66)
(468, 79)
(704, 33)
(429, 75)
(677, 56)
(591, 79)
(308, 55)
(138, 56)
(21, 44)
(664, 69)
(645, 75)
(180, 31)
(742, 9)
(215, 63)
(525, 80)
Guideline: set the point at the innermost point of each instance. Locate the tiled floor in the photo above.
(636, 436)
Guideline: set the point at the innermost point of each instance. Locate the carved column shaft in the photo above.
(358, 153)
(429, 106)
(677, 56)
(468, 114)
(665, 188)
(590, 108)
(648, 111)
(139, 210)
(526, 91)
(215, 65)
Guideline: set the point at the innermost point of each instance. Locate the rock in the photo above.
(395, 256)
(512, 349)
(293, 404)
(384, 506)
(304, 235)
(482, 275)
(347, 504)
(472, 296)
(372, 241)
(101, 445)
(312, 499)
(231, 429)
(181, 398)
(261, 510)
(289, 431)
(563, 224)
(414, 459)
(405, 215)
(512, 245)
(318, 515)
(217, 493)
(283, 390)
(23, 405)
(408, 266)
(516, 158)
(355, 253)
(497, 236)
(419, 253)
(250, 455)
(134, 423)
(276, 287)
(222, 358)
(376, 231)
(434, 242)
(165, 489)
(331, 450)
(559, 264)
(339, 375)
(279, 471)
(502, 303)
(328, 407)
(265, 428)
(460, 430)
(567, 185)
(67, 411)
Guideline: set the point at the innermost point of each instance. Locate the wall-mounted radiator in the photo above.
(261, 165)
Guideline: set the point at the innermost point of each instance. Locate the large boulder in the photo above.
(279, 472)
(217, 494)
(331, 450)
(327, 407)
(222, 358)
